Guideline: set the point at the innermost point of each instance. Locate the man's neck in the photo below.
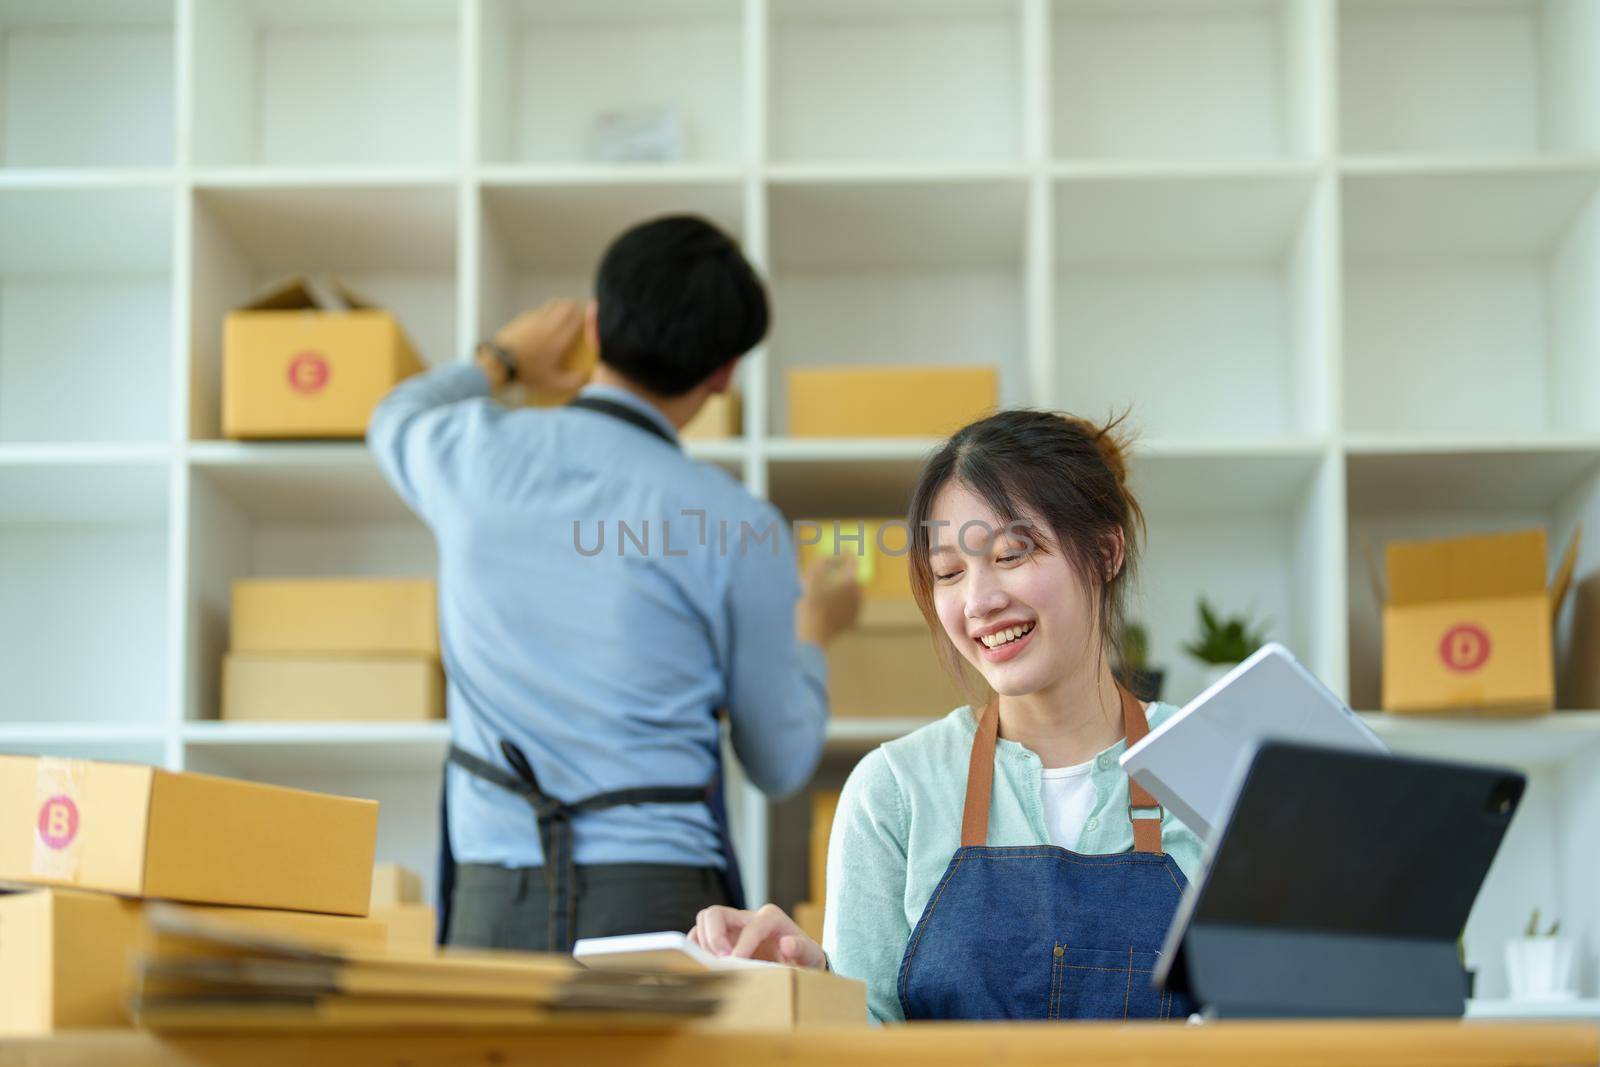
(679, 410)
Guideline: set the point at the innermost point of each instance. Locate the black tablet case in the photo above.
(1338, 886)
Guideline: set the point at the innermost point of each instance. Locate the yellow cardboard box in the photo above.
(881, 548)
(65, 955)
(294, 366)
(788, 998)
(259, 687)
(808, 916)
(920, 401)
(886, 666)
(824, 805)
(397, 902)
(393, 885)
(362, 616)
(582, 357)
(143, 832)
(721, 419)
(1468, 624)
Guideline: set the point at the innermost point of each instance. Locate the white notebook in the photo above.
(668, 950)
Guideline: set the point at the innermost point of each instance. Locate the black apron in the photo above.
(554, 817)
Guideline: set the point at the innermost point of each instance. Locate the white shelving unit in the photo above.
(1338, 256)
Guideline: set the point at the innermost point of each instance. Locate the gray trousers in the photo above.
(501, 907)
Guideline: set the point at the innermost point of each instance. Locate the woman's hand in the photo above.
(767, 934)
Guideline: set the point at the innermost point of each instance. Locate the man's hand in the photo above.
(830, 599)
(767, 934)
(538, 340)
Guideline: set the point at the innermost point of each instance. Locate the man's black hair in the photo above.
(678, 300)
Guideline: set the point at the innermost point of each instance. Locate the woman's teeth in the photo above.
(995, 640)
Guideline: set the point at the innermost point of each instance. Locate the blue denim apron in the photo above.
(1041, 932)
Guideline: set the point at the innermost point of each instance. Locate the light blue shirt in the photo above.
(605, 666)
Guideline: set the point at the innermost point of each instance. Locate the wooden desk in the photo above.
(1227, 1044)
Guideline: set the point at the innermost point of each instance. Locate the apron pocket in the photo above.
(1105, 983)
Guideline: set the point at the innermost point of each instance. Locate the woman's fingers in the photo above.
(713, 925)
(800, 952)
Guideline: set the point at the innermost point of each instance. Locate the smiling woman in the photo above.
(1043, 889)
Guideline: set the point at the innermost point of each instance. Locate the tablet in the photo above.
(1188, 763)
(667, 950)
(1336, 885)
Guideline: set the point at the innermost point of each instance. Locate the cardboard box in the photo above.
(824, 805)
(721, 419)
(582, 357)
(921, 401)
(309, 361)
(410, 926)
(143, 832)
(260, 687)
(886, 666)
(881, 547)
(394, 885)
(1468, 624)
(362, 616)
(788, 998)
(65, 955)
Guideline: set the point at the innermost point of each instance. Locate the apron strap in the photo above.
(555, 824)
(980, 780)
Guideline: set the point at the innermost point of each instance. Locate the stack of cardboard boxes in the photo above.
(334, 649)
(97, 839)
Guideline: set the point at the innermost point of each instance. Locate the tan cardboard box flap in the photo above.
(336, 615)
(783, 998)
(1466, 568)
(305, 293)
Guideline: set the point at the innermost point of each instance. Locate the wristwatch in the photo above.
(501, 356)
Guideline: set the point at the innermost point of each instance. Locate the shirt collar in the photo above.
(632, 400)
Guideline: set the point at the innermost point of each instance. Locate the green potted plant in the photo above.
(1224, 642)
(1143, 680)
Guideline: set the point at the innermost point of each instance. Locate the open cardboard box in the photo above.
(1469, 623)
(311, 360)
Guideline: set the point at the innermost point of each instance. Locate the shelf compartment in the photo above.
(906, 80)
(85, 315)
(251, 524)
(83, 622)
(296, 82)
(1219, 79)
(86, 85)
(1468, 304)
(1469, 77)
(897, 273)
(1201, 304)
(246, 239)
(682, 55)
(1421, 495)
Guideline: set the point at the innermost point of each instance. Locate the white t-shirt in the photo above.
(1069, 798)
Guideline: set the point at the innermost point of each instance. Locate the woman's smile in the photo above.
(998, 646)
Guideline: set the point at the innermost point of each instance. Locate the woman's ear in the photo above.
(1112, 552)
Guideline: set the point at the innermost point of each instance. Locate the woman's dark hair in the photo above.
(1033, 468)
(677, 301)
